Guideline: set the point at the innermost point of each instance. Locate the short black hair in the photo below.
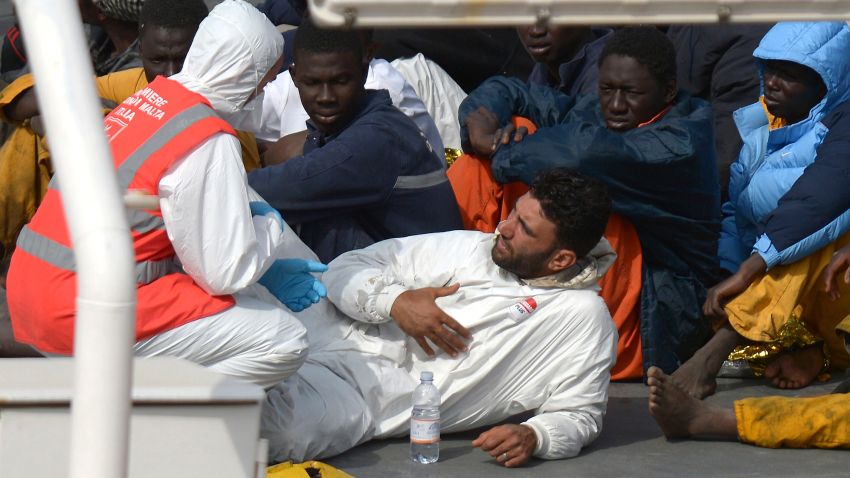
(173, 13)
(649, 47)
(310, 37)
(578, 205)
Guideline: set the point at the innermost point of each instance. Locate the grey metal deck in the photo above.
(630, 445)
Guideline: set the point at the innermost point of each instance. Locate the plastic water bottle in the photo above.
(425, 421)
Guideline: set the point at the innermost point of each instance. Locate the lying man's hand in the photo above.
(417, 314)
(840, 262)
(291, 281)
(510, 445)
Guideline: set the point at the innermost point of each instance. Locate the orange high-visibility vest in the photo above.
(148, 133)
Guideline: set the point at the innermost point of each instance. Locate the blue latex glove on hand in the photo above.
(291, 281)
(260, 208)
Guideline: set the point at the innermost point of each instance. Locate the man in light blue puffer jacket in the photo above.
(772, 293)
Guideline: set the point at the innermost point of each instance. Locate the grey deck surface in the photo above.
(630, 445)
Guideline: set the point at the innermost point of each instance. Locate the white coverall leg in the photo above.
(254, 340)
(314, 414)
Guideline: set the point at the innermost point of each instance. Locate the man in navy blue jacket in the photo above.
(652, 145)
(365, 173)
(567, 56)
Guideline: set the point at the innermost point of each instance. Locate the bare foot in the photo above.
(695, 378)
(680, 416)
(796, 369)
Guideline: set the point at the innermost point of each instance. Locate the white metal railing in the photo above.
(401, 13)
(106, 289)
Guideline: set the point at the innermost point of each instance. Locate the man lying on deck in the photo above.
(508, 323)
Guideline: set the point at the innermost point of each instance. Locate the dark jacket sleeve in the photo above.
(591, 147)
(816, 210)
(347, 173)
(508, 97)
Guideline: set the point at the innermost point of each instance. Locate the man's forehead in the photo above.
(624, 67)
(307, 58)
(530, 212)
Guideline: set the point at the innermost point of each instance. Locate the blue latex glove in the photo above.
(260, 208)
(291, 281)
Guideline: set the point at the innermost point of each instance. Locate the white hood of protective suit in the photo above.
(234, 48)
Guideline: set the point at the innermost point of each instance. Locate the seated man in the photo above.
(652, 145)
(366, 172)
(776, 244)
(198, 257)
(516, 314)
(567, 57)
(284, 115)
(773, 422)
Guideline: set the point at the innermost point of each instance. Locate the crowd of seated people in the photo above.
(620, 210)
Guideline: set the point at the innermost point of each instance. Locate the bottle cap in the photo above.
(427, 376)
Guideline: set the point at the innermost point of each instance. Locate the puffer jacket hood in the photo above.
(821, 46)
(234, 48)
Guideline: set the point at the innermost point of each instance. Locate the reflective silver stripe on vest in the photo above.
(141, 221)
(46, 249)
(422, 180)
(62, 257)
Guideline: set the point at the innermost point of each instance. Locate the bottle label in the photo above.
(424, 431)
(522, 309)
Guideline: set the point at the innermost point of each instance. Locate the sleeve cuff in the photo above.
(384, 302)
(540, 434)
(765, 248)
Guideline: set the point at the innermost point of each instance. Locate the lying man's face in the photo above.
(527, 241)
(163, 49)
(791, 90)
(628, 93)
(330, 86)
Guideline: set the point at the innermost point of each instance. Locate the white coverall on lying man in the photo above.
(516, 314)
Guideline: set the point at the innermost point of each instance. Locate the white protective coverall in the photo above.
(438, 91)
(204, 201)
(358, 380)
(284, 114)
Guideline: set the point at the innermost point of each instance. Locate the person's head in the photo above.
(556, 223)
(637, 77)
(166, 30)
(98, 12)
(553, 45)
(330, 72)
(368, 43)
(235, 53)
(791, 90)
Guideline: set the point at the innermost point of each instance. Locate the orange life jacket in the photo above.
(148, 133)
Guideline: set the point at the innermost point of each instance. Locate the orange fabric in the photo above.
(46, 321)
(656, 117)
(483, 203)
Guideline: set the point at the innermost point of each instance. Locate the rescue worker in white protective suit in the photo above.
(168, 139)
(538, 336)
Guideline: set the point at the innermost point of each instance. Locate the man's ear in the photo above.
(671, 92)
(561, 259)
